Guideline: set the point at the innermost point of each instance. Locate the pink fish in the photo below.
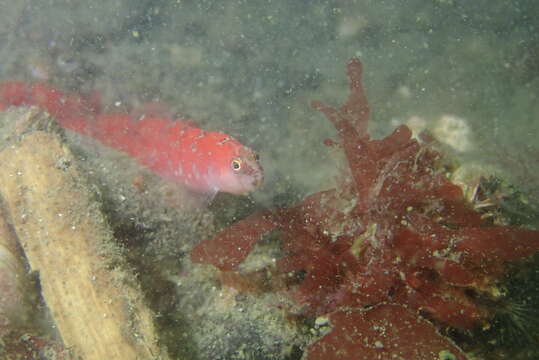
(205, 162)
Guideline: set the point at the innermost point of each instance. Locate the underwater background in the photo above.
(467, 72)
(250, 68)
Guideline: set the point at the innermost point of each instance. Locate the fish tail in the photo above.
(71, 111)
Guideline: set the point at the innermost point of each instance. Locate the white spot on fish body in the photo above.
(195, 171)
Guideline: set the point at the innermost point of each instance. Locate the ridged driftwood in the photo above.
(14, 309)
(95, 303)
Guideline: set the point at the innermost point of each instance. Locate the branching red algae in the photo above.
(399, 232)
(227, 250)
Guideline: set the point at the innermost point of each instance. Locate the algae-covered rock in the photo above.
(93, 299)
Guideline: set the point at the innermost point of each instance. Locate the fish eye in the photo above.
(236, 164)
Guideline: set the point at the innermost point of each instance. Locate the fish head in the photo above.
(240, 171)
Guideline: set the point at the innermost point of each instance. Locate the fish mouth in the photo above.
(258, 181)
(257, 174)
(252, 173)
(252, 182)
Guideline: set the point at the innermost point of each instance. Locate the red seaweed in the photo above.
(384, 332)
(400, 232)
(226, 251)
